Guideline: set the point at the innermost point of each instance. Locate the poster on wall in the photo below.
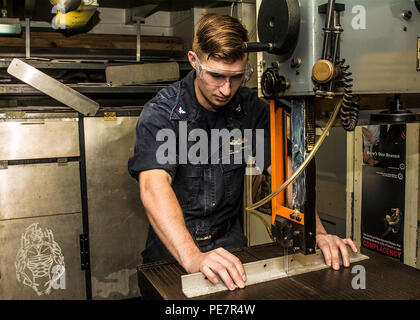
(383, 189)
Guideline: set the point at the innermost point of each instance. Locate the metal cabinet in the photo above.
(117, 223)
(40, 209)
(55, 188)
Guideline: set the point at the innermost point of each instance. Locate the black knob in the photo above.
(272, 83)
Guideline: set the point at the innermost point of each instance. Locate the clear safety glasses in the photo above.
(217, 77)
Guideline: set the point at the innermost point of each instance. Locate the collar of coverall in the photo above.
(182, 109)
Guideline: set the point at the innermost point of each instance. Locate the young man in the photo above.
(194, 208)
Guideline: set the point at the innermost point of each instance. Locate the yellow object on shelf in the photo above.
(73, 19)
(66, 18)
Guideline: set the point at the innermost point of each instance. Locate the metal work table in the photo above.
(385, 279)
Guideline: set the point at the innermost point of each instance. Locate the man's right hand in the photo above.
(218, 262)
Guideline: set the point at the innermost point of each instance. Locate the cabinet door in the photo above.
(40, 210)
(117, 222)
(40, 258)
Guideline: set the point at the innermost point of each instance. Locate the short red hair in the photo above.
(220, 37)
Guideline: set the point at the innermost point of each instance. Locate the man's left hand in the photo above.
(331, 246)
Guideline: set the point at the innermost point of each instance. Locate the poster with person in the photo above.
(383, 188)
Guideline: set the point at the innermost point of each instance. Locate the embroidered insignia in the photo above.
(180, 111)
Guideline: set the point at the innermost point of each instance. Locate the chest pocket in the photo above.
(233, 178)
(187, 184)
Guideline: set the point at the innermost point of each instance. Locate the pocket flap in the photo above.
(190, 171)
(230, 167)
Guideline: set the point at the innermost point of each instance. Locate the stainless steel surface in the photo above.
(378, 44)
(35, 190)
(64, 243)
(52, 87)
(117, 222)
(40, 207)
(31, 138)
(196, 284)
(142, 73)
(49, 194)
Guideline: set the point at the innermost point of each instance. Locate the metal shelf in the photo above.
(84, 64)
(165, 4)
(23, 89)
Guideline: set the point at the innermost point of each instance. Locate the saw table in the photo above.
(385, 279)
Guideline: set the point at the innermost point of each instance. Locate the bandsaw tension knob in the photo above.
(323, 71)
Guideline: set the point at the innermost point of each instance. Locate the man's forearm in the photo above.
(166, 217)
(319, 228)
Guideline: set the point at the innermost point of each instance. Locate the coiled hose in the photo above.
(349, 113)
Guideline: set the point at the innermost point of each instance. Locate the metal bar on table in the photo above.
(196, 284)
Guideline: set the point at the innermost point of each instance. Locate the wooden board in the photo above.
(95, 41)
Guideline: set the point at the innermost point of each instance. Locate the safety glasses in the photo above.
(218, 78)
